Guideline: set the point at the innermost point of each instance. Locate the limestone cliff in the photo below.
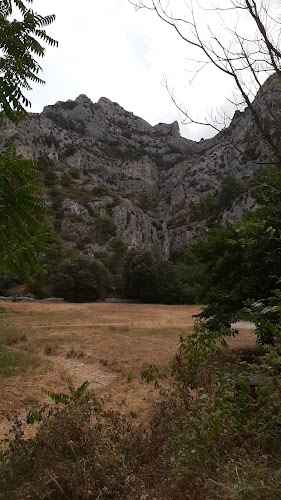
(108, 172)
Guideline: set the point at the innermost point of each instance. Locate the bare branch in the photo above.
(246, 59)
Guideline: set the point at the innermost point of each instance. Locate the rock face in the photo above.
(109, 173)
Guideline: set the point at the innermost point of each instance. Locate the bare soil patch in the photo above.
(103, 343)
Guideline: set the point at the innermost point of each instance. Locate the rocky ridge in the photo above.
(110, 173)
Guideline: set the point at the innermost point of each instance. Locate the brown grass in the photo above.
(115, 339)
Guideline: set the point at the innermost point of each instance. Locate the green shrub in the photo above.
(101, 190)
(66, 179)
(81, 279)
(140, 275)
(44, 163)
(47, 166)
(50, 178)
(6, 282)
(230, 190)
(153, 279)
(74, 172)
(104, 226)
(147, 202)
(119, 249)
(212, 205)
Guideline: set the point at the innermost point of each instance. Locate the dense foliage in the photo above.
(81, 279)
(154, 279)
(23, 233)
(22, 207)
(140, 275)
(19, 44)
(243, 260)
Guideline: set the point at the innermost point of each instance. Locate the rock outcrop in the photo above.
(98, 160)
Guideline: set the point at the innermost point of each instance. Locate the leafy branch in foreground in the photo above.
(266, 315)
(19, 43)
(81, 395)
(75, 394)
(22, 208)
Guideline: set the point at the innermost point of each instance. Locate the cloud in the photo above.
(108, 49)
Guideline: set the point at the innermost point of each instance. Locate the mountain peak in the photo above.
(83, 99)
(106, 103)
(105, 100)
(167, 128)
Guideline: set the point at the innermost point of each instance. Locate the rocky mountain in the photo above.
(109, 173)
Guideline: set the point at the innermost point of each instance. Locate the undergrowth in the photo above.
(214, 435)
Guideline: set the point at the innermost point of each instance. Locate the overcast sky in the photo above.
(108, 49)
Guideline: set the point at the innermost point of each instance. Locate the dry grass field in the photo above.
(41, 344)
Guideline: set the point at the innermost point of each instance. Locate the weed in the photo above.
(133, 414)
(48, 350)
(150, 373)
(129, 377)
(75, 394)
(16, 425)
(74, 354)
(14, 340)
(38, 413)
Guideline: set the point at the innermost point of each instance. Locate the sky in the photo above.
(107, 48)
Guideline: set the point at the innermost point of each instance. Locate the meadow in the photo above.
(42, 344)
(162, 423)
